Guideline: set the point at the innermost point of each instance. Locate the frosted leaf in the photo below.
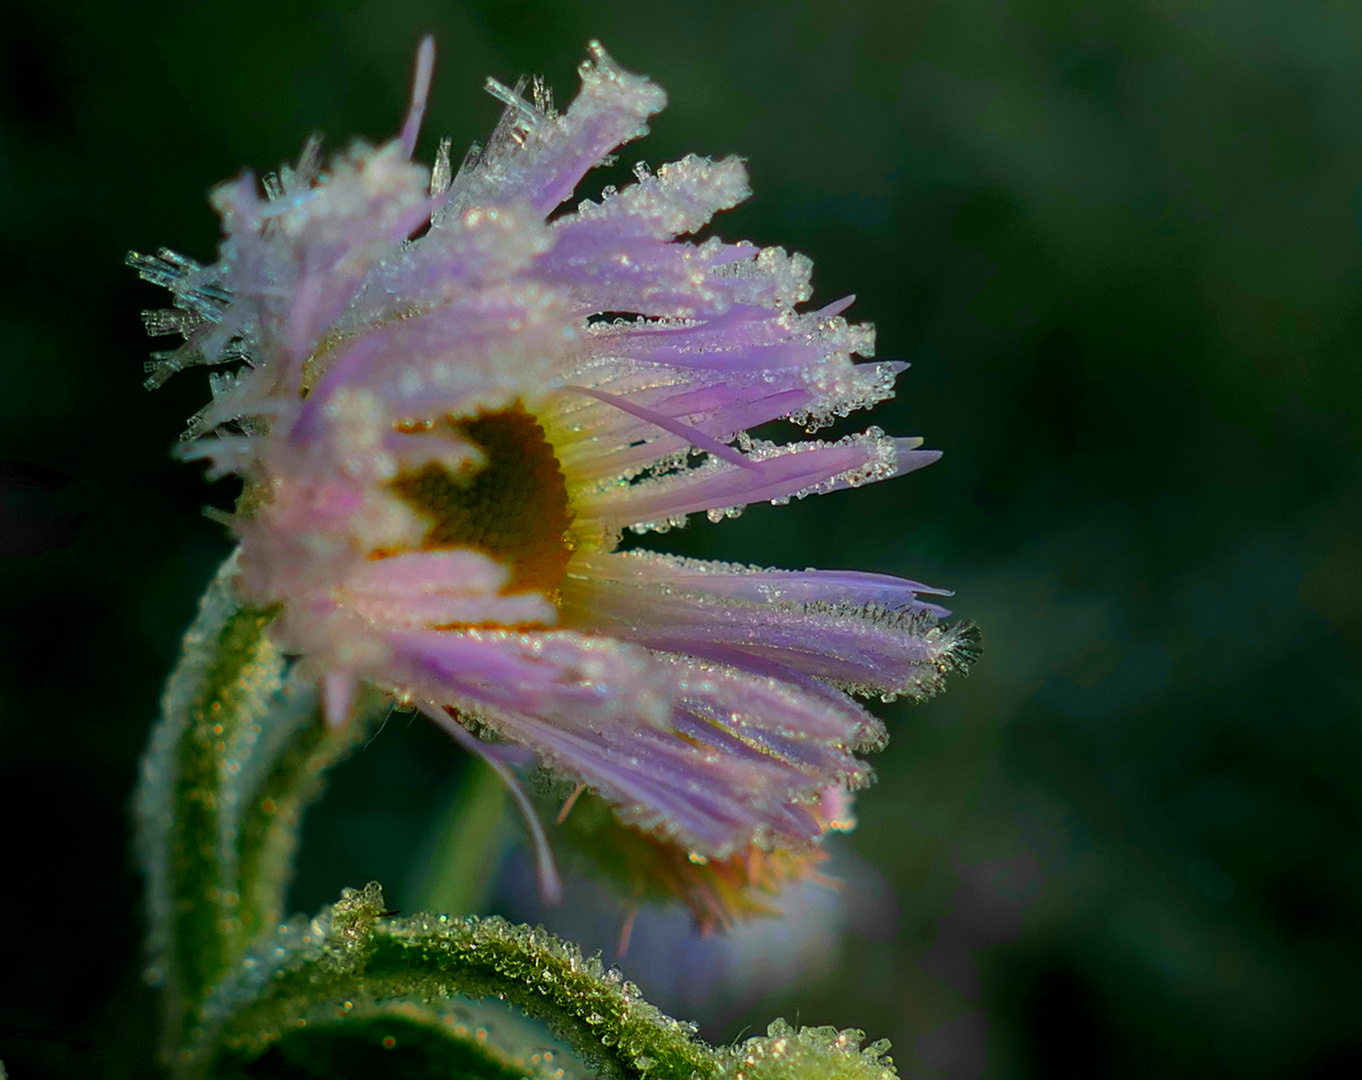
(809, 1053)
(353, 957)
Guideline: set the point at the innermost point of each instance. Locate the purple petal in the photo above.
(656, 735)
(783, 472)
(865, 632)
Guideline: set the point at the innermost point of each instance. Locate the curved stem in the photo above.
(237, 755)
(227, 675)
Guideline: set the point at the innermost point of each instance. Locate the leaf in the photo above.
(395, 1041)
(350, 953)
(811, 1053)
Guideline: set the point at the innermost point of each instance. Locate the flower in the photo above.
(449, 400)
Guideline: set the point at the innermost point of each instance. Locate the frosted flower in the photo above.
(448, 401)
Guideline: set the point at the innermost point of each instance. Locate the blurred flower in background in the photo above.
(714, 977)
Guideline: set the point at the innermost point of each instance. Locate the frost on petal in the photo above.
(782, 473)
(679, 198)
(538, 158)
(733, 581)
(483, 246)
(455, 358)
(866, 633)
(707, 754)
(442, 588)
(608, 443)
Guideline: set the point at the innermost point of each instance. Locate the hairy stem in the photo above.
(237, 755)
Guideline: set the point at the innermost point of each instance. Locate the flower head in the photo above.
(450, 399)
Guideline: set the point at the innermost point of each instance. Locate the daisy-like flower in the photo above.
(450, 399)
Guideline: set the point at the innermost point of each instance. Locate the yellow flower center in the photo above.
(513, 508)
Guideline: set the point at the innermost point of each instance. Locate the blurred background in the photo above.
(1119, 244)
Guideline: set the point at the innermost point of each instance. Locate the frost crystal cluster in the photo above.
(449, 395)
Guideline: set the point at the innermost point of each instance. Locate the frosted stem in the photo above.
(350, 953)
(238, 753)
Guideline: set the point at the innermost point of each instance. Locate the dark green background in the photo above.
(1118, 242)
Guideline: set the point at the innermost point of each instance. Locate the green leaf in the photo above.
(811, 1053)
(352, 964)
(394, 1041)
(350, 953)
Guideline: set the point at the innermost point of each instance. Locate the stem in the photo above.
(272, 817)
(461, 853)
(246, 671)
(238, 753)
(227, 674)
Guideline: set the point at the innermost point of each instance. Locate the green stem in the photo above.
(247, 668)
(227, 674)
(460, 855)
(237, 755)
(267, 835)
